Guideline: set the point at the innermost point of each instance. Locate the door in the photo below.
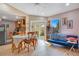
(39, 27)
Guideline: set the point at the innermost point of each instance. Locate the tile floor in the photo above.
(42, 49)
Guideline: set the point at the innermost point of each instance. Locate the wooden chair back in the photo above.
(30, 34)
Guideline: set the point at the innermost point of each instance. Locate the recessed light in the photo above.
(17, 17)
(4, 17)
(67, 4)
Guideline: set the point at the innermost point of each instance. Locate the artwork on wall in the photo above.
(70, 24)
(64, 21)
(54, 24)
(67, 23)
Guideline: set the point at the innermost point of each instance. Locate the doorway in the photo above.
(39, 27)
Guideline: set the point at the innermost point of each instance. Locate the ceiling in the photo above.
(38, 9)
(6, 14)
(44, 9)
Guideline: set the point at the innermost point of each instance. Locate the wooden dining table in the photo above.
(17, 39)
(20, 37)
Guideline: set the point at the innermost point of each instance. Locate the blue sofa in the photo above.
(61, 39)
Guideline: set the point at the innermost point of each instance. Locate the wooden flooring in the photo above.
(43, 49)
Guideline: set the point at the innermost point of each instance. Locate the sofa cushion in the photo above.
(58, 36)
(63, 42)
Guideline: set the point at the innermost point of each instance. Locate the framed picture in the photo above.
(70, 24)
(64, 21)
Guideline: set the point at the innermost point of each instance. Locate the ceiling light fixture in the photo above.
(67, 4)
(17, 17)
(36, 4)
(4, 17)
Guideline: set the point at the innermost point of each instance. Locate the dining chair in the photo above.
(13, 46)
(16, 46)
(32, 38)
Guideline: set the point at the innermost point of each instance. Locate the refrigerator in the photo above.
(2, 34)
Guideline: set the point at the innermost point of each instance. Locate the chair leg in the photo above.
(28, 47)
(13, 48)
(19, 47)
(34, 44)
(72, 48)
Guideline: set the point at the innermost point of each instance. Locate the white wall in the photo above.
(72, 15)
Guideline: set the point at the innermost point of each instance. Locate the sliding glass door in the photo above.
(39, 27)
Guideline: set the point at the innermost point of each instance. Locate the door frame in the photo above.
(39, 21)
